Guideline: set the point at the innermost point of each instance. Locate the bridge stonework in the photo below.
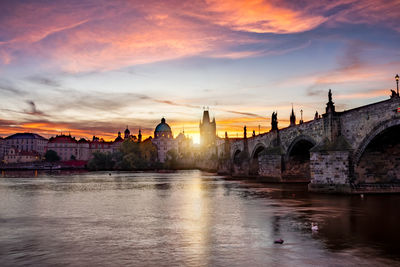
(333, 153)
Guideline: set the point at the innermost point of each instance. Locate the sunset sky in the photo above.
(92, 67)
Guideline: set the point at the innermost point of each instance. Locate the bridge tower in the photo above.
(208, 130)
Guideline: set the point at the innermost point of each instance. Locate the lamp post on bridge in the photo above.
(397, 81)
(301, 119)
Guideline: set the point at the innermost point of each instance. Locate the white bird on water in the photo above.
(314, 227)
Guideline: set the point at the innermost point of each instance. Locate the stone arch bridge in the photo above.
(353, 151)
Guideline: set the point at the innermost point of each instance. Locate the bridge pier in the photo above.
(241, 170)
(270, 164)
(331, 167)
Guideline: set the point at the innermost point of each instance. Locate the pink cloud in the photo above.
(102, 35)
(363, 95)
(105, 35)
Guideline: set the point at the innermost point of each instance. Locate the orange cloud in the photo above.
(261, 16)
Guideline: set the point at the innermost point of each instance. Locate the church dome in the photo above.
(126, 133)
(163, 129)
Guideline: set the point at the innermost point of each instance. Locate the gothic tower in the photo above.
(208, 130)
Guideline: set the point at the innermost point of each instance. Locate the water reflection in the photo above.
(188, 218)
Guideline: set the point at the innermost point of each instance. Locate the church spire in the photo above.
(292, 118)
(140, 136)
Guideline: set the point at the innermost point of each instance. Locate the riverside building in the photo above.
(164, 140)
(28, 142)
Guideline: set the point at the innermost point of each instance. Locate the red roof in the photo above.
(62, 139)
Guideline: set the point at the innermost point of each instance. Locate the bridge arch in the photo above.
(254, 164)
(299, 140)
(377, 158)
(371, 135)
(297, 158)
(236, 156)
(257, 150)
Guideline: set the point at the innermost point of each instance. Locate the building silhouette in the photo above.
(208, 130)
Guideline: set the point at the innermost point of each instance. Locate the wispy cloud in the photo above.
(365, 94)
(10, 88)
(353, 66)
(42, 80)
(33, 110)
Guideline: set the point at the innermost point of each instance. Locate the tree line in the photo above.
(130, 156)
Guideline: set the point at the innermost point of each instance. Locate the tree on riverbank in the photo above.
(131, 156)
(171, 161)
(101, 161)
(51, 156)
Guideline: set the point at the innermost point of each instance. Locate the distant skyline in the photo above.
(92, 67)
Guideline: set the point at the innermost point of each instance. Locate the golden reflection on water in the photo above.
(196, 221)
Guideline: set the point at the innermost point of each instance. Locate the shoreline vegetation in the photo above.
(134, 156)
(131, 156)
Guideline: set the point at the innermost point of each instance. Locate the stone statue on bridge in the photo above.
(316, 116)
(274, 121)
(330, 106)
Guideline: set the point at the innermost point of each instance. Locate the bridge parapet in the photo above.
(359, 123)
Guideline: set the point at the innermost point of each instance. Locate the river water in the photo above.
(188, 218)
